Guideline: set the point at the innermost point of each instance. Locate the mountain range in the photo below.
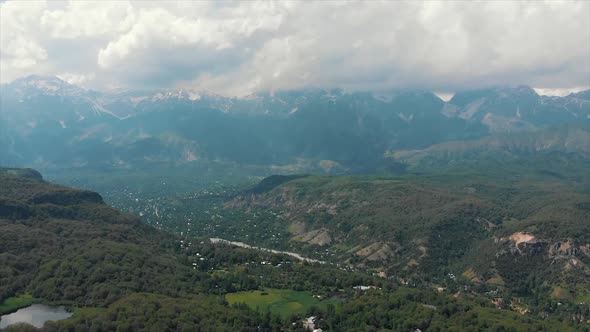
(47, 122)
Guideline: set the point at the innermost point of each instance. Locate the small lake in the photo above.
(36, 315)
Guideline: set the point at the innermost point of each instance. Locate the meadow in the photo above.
(12, 304)
(284, 302)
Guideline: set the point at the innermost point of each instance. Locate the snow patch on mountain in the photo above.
(190, 155)
(45, 85)
(383, 98)
(406, 118)
(472, 109)
(136, 100)
(449, 110)
(499, 123)
(184, 94)
(100, 109)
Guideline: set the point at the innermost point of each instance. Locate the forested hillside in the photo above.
(514, 235)
(65, 246)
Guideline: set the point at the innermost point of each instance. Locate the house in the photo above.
(309, 323)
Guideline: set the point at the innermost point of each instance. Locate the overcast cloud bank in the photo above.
(236, 48)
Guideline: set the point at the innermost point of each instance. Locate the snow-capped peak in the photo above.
(182, 94)
(46, 85)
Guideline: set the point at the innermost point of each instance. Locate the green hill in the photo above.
(512, 233)
(66, 246)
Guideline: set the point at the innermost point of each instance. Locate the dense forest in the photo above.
(467, 225)
(66, 246)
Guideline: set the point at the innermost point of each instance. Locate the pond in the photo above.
(36, 315)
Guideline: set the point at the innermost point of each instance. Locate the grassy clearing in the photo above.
(581, 295)
(284, 302)
(12, 304)
(87, 312)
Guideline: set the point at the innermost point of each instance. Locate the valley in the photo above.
(500, 220)
(495, 228)
(462, 232)
(257, 213)
(294, 166)
(101, 263)
(278, 252)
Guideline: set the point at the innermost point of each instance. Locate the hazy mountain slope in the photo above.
(515, 109)
(561, 151)
(563, 139)
(49, 123)
(581, 95)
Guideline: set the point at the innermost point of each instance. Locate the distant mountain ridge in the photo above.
(573, 139)
(511, 109)
(47, 122)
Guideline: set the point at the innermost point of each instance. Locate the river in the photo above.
(244, 245)
(36, 315)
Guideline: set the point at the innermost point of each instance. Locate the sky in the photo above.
(237, 48)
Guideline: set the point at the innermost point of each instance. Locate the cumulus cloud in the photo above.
(18, 51)
(242, 47)
(88, 19)
(75, 78)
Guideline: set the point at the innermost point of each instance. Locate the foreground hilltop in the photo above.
(66, 246)
(21, 172)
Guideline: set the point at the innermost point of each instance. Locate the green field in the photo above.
(12, 304)
(284, 302)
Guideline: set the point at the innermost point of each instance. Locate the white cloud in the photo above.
(240, 47)
(88, 19)
(560, 92)
(155, 27)
(161, 28)
(79, 79)
(440, 46)
(18, 51)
